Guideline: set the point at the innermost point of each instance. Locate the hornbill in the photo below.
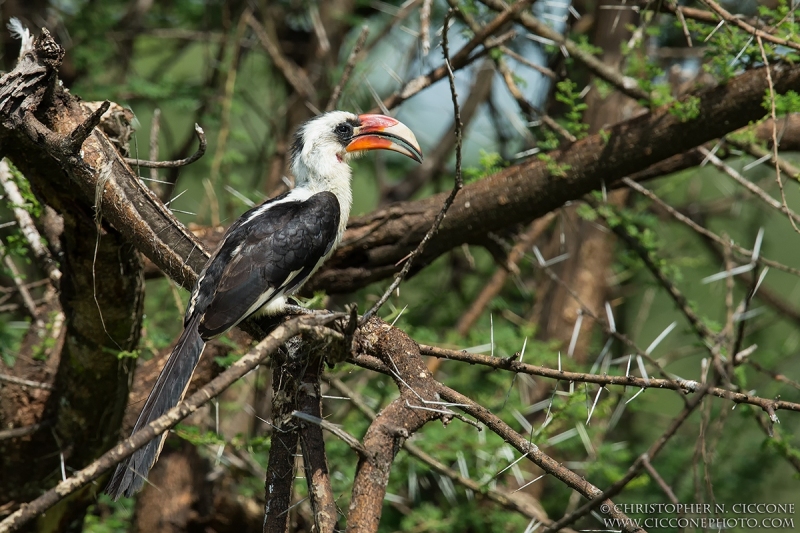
(265, 256)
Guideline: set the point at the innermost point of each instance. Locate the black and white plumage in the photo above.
(265, 256)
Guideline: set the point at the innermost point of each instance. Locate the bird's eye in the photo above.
(344, 130)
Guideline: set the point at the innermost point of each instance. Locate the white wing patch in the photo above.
(299, 194)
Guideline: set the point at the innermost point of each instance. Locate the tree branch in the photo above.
(124, 449)
(683, 385)
(375, 243)
(395, 423)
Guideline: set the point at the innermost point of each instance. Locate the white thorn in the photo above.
(634, 396)
(643, 371)
(756, 162)
(602, 355)
(760, 279)
(575, 332)
(728, 273)
(491, 332)
(538, 255)
(399, 315)
(611, 324)
(660, 338)
(594, 404)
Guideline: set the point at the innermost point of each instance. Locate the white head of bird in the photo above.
(324, 145)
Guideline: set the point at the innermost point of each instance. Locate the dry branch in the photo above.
(396, 422)
(283, 444)
(201, 150)
(27, 227)
(315, 461)
(124, 449)
(677, 384)
(511, 501)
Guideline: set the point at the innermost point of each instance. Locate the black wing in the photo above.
(264, 255)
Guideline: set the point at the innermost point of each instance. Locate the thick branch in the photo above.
(375, 243)
(395, 423)
(280, 469)
(315, 461)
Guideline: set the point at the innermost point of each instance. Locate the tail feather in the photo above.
(168, 391)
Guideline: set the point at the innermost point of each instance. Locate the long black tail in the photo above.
(168, 391)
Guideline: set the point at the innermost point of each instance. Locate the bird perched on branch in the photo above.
(265, 256)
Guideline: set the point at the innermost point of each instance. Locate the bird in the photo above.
(265, 256)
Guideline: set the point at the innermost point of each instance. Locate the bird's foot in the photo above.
(290, 309)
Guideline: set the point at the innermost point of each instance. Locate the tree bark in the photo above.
(101, 289)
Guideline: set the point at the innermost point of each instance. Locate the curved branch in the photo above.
(201, 150)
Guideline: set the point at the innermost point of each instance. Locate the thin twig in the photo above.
(677, 384)
(343, 435)
(686, 33)
(27, 226)
(201, 150)
(758, 34)
(660, 481)
(775, 142)
(680, 217)
(333, 101)
(425, 26)
(752, 187)
(25, 382)
(459, 183)
(527, 62)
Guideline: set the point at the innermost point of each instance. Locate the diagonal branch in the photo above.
(728, 17)
(625, 84)
(126, 448)
(534, 454)
(376, 242)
